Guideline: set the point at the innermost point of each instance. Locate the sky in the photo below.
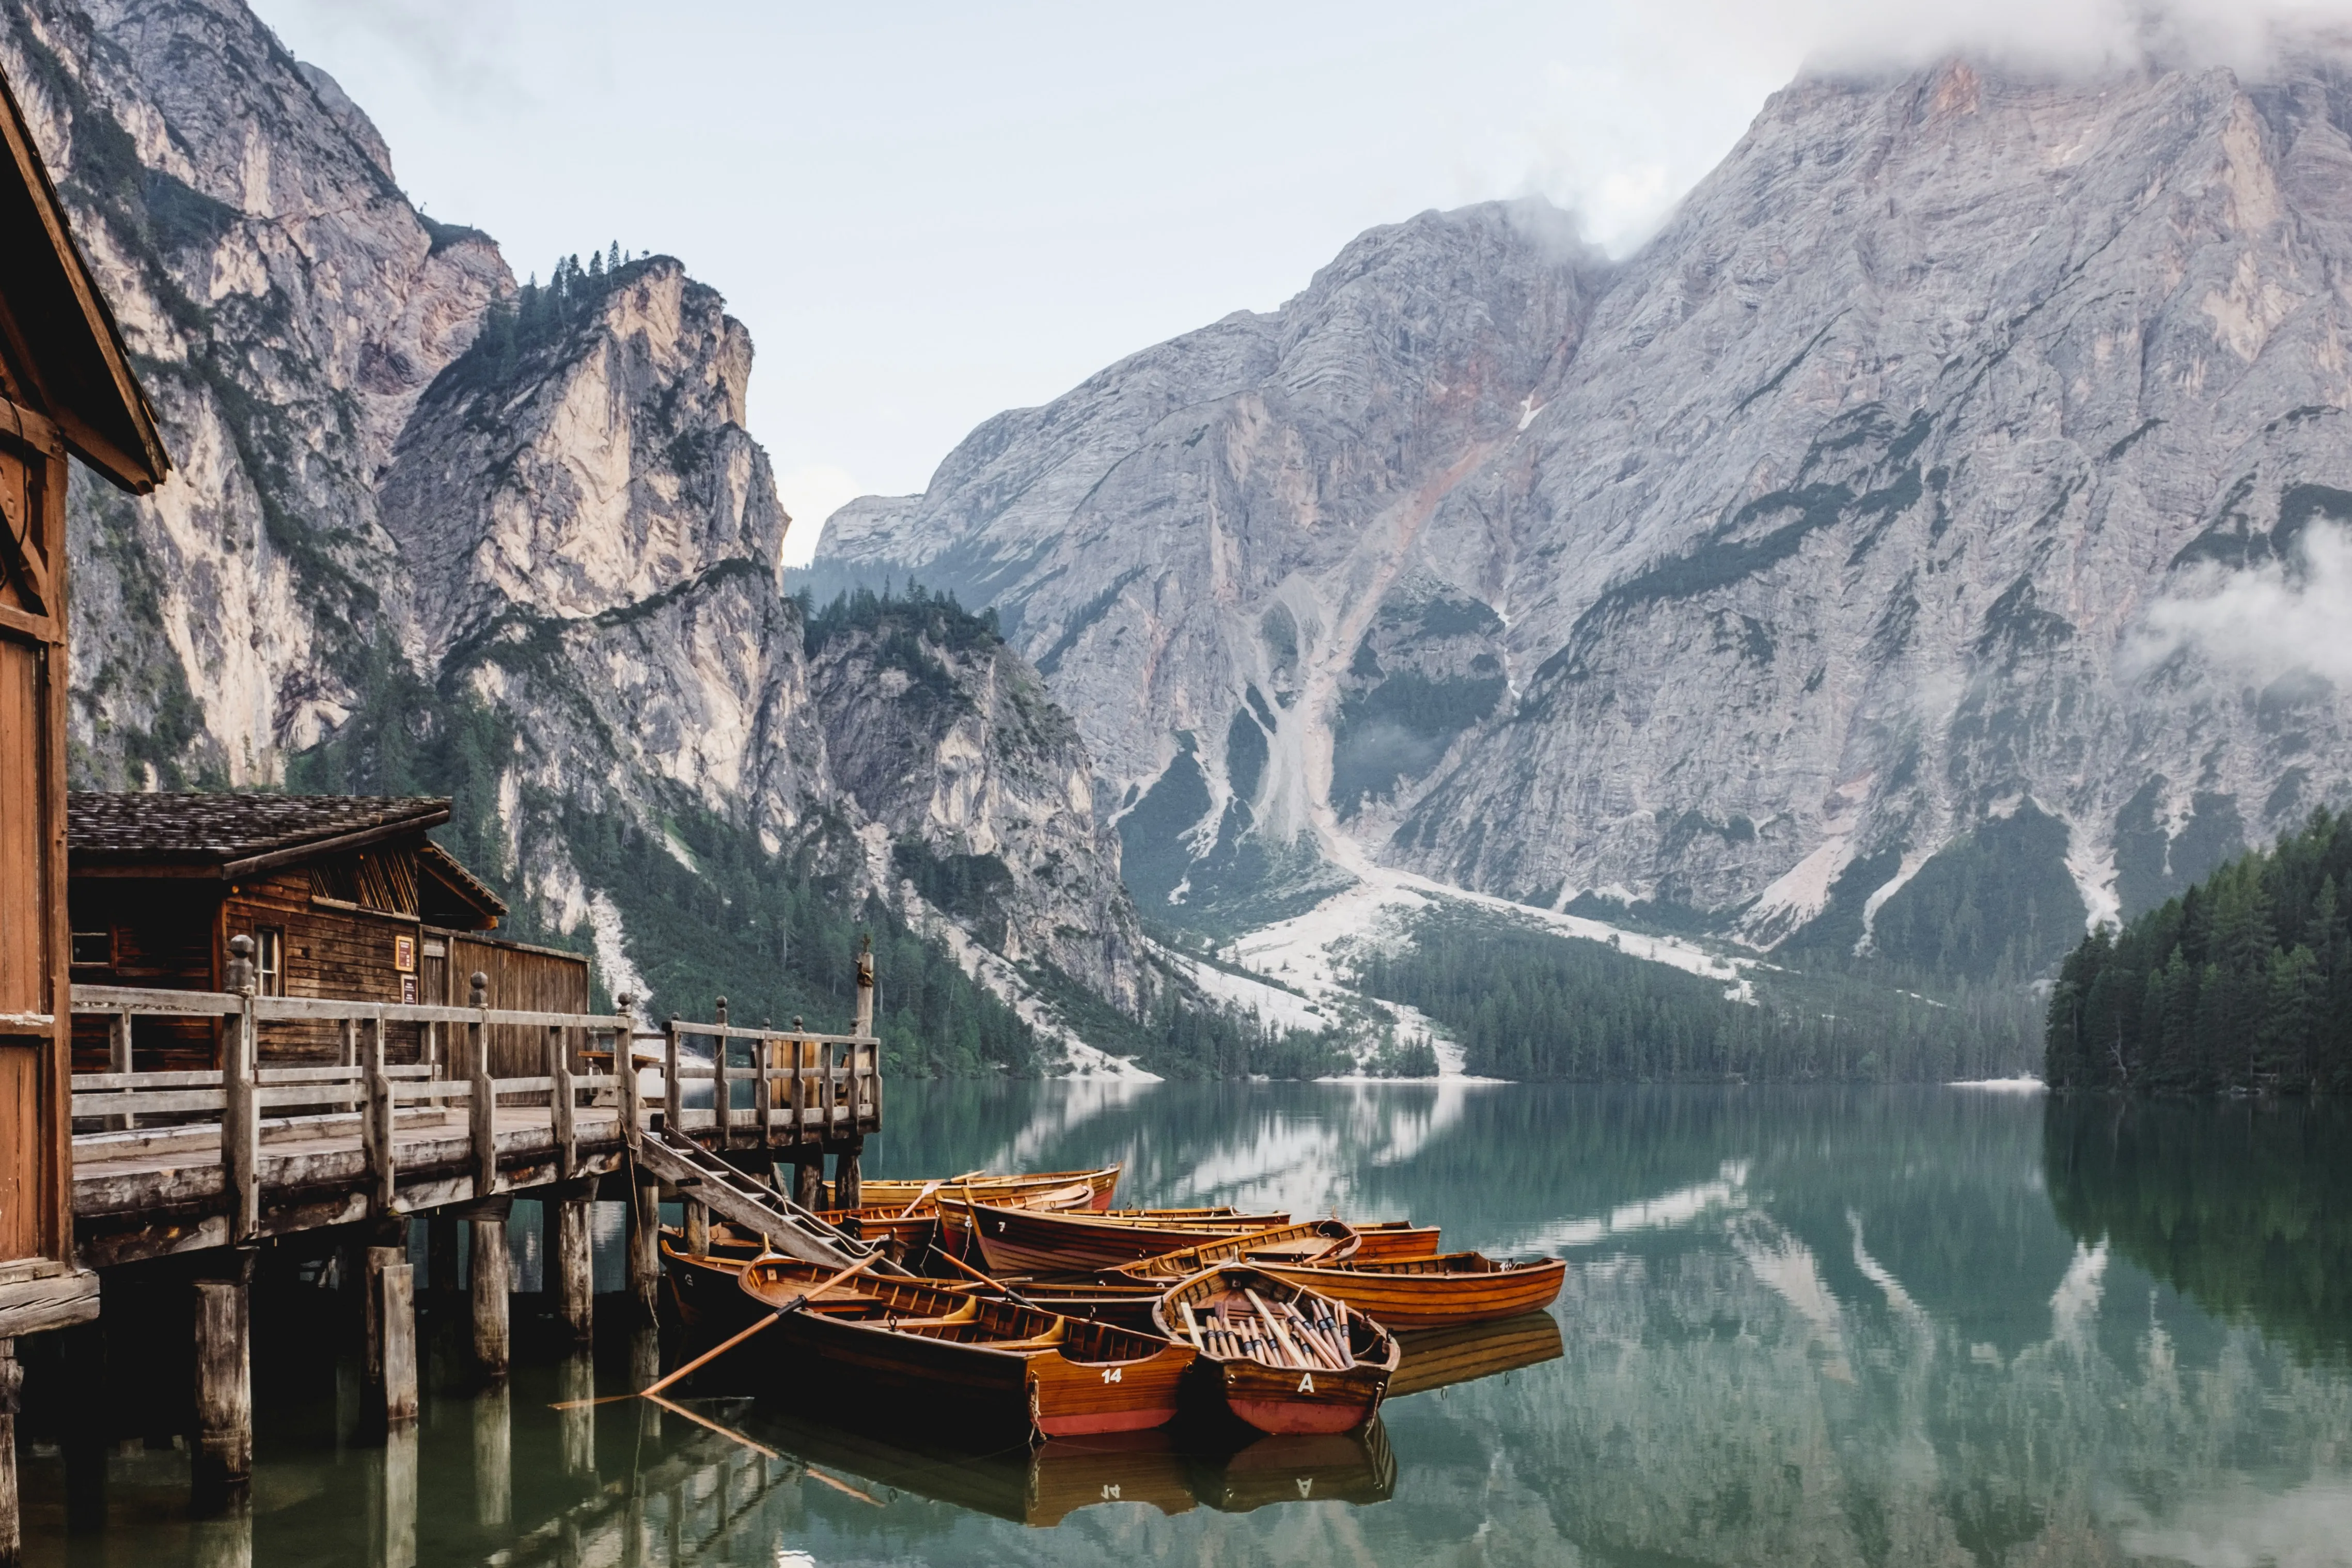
(928, 213)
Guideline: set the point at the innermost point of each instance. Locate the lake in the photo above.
(1799, 1326)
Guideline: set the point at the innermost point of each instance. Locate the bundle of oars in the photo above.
(1276, 1333)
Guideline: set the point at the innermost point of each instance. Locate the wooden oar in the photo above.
(795, 1305)
(929, 1188)
(711, 1355)
(1010, 1293)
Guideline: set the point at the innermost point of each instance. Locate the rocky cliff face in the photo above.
(517, 543)
(1898, 527)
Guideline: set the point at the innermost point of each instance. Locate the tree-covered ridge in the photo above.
(1529, 1004)
(2242, 983)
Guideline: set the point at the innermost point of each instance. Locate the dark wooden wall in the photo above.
(34, 1131)
(528, 979)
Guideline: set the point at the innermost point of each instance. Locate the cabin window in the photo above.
(269, 961)
(93, 948)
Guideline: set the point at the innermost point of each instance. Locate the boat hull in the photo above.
(1097, 1379)
(1433, 1292)
(1281, 1400)
(1024, 1241)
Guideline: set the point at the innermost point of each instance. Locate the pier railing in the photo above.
(796, 1087)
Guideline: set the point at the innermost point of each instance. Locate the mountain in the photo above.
(433, 531)
(1890, 554)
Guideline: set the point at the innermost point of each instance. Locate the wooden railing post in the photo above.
(560, 1102)
(375, 1131)
(723, 1119)
(799, 1100)
(673, 1093)
(624, 1064)
(118, 1059)
(483, 1103)
(863, 1027)
(824, 1090)
(241, 1113)
(763, 1095)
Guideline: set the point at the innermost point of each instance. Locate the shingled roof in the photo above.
(231, 835)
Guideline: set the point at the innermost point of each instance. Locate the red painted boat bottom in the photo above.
(1095, 1423)
(1281, 1415)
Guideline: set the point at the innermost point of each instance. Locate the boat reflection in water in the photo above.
(1225, 1467)
(1042, 1485)
(1439, 1357)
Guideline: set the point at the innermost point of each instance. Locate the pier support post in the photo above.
(697, 1227)
(222, 1467)
(392, 1336)
(12, 1379)
(493, 1261)
(85, 1428)
(645, 1245)
(441, 1252)
(846, 1174)
(808, 1175)
(572, 1264)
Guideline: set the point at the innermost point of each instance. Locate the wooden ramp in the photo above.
(757, 1207)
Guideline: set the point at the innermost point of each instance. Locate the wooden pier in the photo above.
(193, 1172)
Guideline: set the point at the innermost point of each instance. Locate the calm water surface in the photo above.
(1800, 1327)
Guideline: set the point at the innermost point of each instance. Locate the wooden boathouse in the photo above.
(238, 1024)
(66, 386)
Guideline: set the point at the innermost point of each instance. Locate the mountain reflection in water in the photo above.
(1827, 1326)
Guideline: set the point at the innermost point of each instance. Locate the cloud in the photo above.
(2260, 623)
(812, 493)
(1644, 101)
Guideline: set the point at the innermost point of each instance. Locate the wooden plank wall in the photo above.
(36, 1220)
(341, 953)
(528, 979)
(163, 934)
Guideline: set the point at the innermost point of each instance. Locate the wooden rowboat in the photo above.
(1280, 1358)
(1025, 1241)
(1440, 1292)
(989, 1366)
(1317, 1241)
(1099, 1184)
(1392, 1239)
(1440, 1358)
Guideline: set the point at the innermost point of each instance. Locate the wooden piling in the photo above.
(441, 1251)
(572, 1264)
(223, 1466)
(808, 1175)
(645, 1245)
(697, 1227)
(846, 1174)
(12, 1382)
(493, 1275)
(391, 1337)
(85, 1426)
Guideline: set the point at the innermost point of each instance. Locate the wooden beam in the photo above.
(493, 1286)
(223, 1457)
(12, 1383)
